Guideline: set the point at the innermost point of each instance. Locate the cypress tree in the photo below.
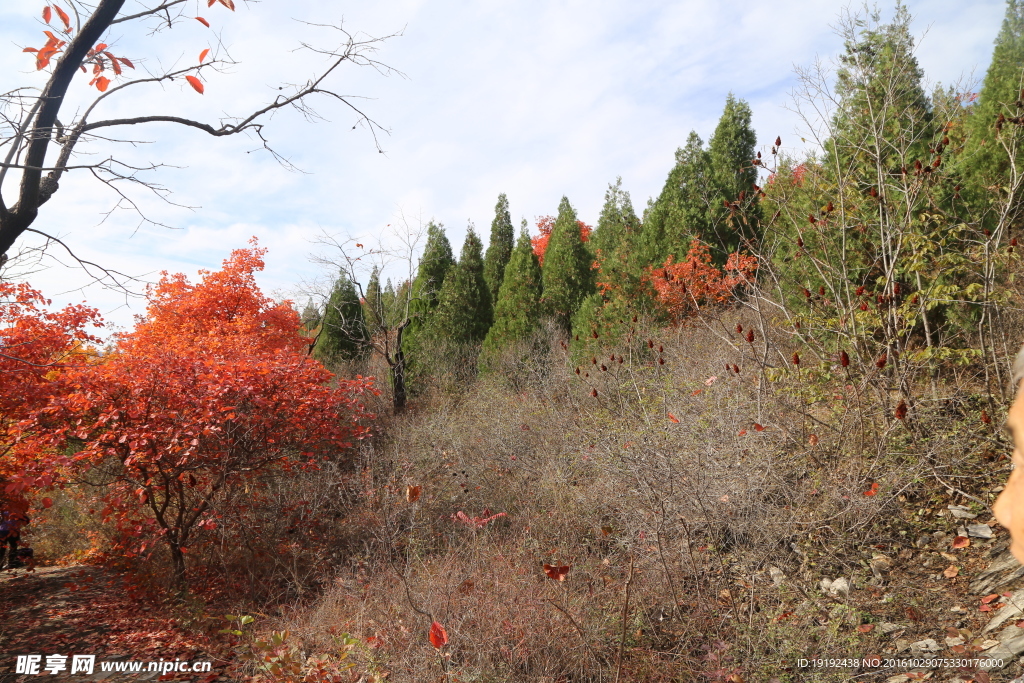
(616, 222)
(343, 333)
(884, 116)
(373, 305)
(434, 265)
(463, 314)
(680, 213)
(567, 276)
(731, 151)
(517, 313)
(310, 317)
(499, 249)
(986, 163)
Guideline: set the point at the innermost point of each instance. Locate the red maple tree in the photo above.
(211, 389)
(36, 345)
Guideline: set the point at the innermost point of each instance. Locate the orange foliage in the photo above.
(545, 224)
(35, 345)
(210, 389)
(684, 287)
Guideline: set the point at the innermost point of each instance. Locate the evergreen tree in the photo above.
(373, 305)
(434, 265)
(989, 149)
(884, 120)
(464, 313)
(517, 313)
(310, 317)
(567, 276)
(343, 333)
(499, 249)
(616, 222)
(731, 151)
(680, 213)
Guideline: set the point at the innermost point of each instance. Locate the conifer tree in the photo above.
(884, 116)
(517, 313)
(464, 313)
(731, 151)
(616, 222)
(343, 334)
(373, 306)
(434, 265)
(990, 148)
(567, 276)
(680, 213)
(499, 249)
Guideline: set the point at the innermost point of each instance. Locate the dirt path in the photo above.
(89, 610)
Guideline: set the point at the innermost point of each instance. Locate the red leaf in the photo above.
(866, 628)
(556, 572)
(46, 14)
(873, 490)
(758, 427)
(30, 49)
(63, 17)
(101, 83)
(673, 418)
(43, 57)
(100, 48)
(438, 636)
(229, 4)
(209, 3)
(961, 542)
(202, 55)
(195, 83)
(47, 502)
(113, 63)
(127, 63)
(989, 598)
(204, 22)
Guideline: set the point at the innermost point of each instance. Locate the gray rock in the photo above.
(777, 575)
(926, 645)
(885, 627)
(840, 588)
(1003, 571)
(961, 512)
(980, 531)
(1011, 644)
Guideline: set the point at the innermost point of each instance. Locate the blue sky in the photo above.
(534, 99)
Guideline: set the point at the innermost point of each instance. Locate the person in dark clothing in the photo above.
(11, 524)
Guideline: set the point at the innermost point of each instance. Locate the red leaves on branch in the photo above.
(901, 411)
(684, 287)
(202, 55)
(36, 346)
(438, 636)
(212, 388)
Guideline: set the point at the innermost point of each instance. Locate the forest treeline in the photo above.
(894, 237)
